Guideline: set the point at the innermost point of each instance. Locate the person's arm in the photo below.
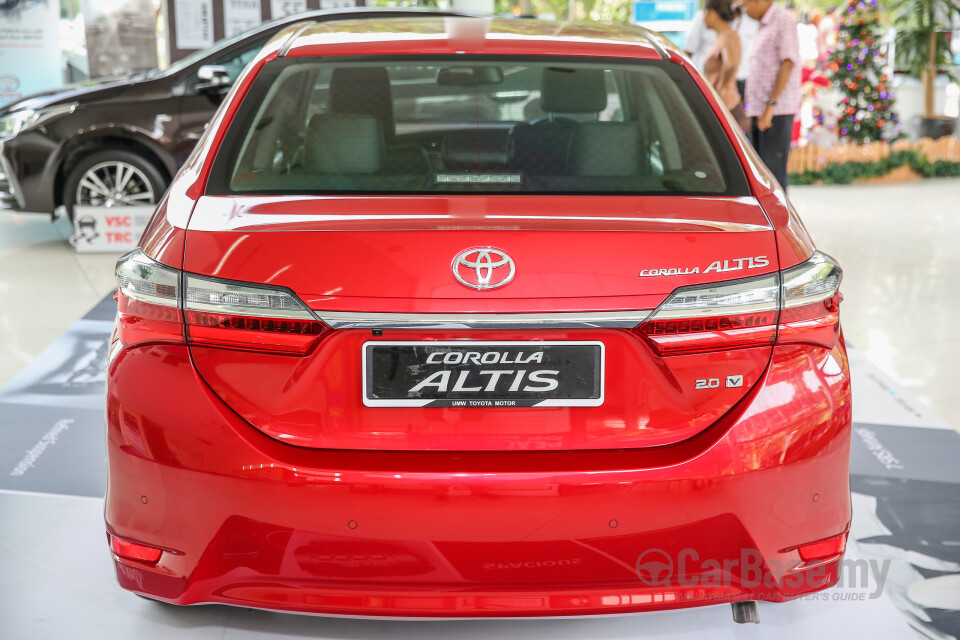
(789, 50)
(766, 120)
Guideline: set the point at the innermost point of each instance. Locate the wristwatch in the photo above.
(771, 102)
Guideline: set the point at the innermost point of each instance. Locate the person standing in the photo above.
(723, 58)
(773, 84)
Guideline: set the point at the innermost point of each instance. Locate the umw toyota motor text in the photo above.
(462, 319)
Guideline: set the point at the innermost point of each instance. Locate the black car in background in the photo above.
(120, 142)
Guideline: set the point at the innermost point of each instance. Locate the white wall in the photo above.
(908, 102)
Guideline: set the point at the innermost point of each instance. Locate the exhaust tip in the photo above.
(746, 612)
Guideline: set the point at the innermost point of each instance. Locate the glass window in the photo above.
(236, 63)
(475, 125)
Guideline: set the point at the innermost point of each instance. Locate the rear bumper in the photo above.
(249, 521)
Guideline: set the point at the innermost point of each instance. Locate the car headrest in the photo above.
(474, 150)
(343, 143)
(363, 91)
(606, 149)
(571, 90)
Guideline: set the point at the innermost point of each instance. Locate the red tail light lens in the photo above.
(148, 301)
(705, 318)
(800, 304)
(811, 302)
(160, 304)
(135, 551)
(243, 316)
(674, 337)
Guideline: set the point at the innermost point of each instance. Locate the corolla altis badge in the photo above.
(483, 268)
(717, 266)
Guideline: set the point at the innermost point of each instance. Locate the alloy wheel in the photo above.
(114, 184)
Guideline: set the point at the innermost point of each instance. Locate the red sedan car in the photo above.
(465, 317)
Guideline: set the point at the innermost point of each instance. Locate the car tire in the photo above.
(92, 181)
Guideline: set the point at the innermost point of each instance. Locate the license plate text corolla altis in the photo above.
(483, 374)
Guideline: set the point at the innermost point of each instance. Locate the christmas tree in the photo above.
(856, 66)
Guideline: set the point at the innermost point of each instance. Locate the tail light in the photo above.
(148, 301)
(810, 309)
(242, 316)
(159, 304)
(800, 304)
(704, 317)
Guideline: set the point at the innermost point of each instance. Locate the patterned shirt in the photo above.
(776, 41)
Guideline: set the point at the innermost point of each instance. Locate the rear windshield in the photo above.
(475, 125)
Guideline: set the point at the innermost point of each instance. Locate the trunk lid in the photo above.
(356, 257)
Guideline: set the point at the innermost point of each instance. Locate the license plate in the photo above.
(483, 374)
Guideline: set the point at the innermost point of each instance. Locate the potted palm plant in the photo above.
(923, 51)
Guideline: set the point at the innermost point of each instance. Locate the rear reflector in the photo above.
(824, 549)
(153, 307)
(134, 551)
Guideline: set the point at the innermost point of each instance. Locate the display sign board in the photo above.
(120, 36)
(194, 24)
(109, 229)
(284, 8)
(658, 10)
(29, 48)
(239, 16)
(198, 24)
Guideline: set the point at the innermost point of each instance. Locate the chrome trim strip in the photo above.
(574, 320)
(652, 39)
(708, 312)
(208, 219)
(292, 38)
(11, 177)
(714, 224)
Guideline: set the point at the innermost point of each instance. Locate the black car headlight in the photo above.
(13, 123)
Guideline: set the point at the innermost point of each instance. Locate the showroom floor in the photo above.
(57, 579)
(898, 247)
(44, 286)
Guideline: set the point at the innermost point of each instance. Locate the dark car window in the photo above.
(220, 45)
(237, 61)
(476, 125)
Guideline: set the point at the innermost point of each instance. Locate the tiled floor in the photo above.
(44, 286)
(898, 247)
(897, 243)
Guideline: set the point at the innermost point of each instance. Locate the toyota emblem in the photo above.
(483, 268)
